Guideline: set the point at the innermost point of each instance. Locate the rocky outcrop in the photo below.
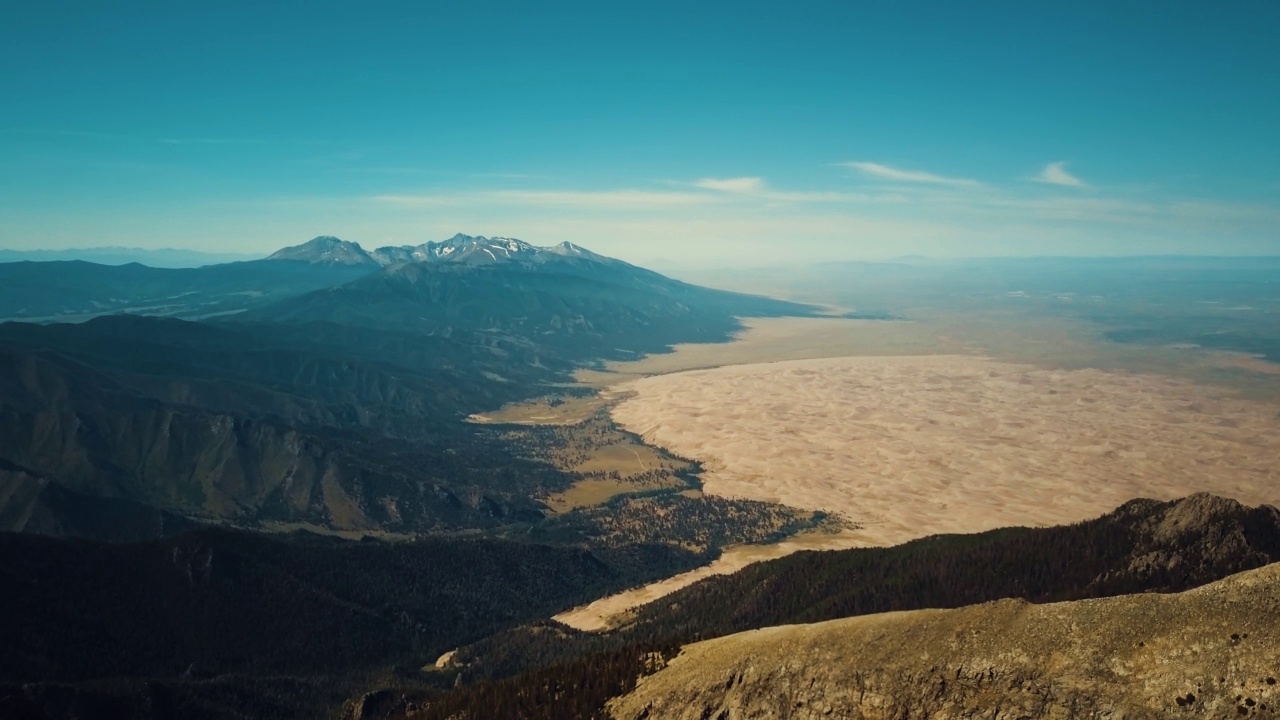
(1210, 652)
(1197, 534)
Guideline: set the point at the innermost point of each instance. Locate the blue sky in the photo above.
(726, 133)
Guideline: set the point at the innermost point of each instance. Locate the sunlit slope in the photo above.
(1208, 652)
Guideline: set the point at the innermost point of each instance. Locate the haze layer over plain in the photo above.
(912, 446)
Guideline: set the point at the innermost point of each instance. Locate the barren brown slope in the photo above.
(1210, 652)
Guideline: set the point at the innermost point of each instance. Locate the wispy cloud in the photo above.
(737, 185)
(928, 216)
(1055, 173)
(697, 224)
(884, 172)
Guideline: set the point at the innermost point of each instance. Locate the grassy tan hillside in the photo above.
(1209, 652)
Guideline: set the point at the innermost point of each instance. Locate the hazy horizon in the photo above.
(696, 272)
(721, 135)
(177, 257)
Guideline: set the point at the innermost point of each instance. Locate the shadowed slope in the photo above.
(232, 601)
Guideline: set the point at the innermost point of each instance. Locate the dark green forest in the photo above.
(217, 601)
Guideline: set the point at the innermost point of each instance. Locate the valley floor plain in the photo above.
(912, 446)
(906, 430)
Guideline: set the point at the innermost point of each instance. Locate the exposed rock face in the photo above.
(119, 427)
(1209, 652)
(1195, 535)
(66, 424)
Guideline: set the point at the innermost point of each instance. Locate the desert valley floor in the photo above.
(913, 446)
(938, 439)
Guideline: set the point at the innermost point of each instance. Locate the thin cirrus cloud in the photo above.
(885, 172)
(1055, 173)
(738, 184)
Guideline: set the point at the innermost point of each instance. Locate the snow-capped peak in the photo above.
(461, 249)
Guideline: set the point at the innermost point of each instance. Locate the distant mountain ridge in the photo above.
(157, 258)
(461, 249)
(319, 386)
(50, 287)
(572, 304)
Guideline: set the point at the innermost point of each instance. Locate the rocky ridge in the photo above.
(1209, 652)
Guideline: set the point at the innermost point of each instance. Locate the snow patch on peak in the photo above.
(460, 249)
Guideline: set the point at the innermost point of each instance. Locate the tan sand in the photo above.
(591, 492)
(543, 411)
(609, 611)
(773, 339)
(912, 446)
(921, 433)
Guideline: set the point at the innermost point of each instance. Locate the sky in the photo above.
(707, 134)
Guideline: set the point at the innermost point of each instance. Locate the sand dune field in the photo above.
(911, 446)
(911, 429)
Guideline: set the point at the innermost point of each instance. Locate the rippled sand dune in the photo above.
(911, 446)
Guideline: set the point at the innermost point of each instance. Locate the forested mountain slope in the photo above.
(340, 406)
(1143, 546)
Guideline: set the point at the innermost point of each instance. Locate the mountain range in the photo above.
(316, 386)
(323, 388)
(158, 257)
(461, 249)
(75, 290)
